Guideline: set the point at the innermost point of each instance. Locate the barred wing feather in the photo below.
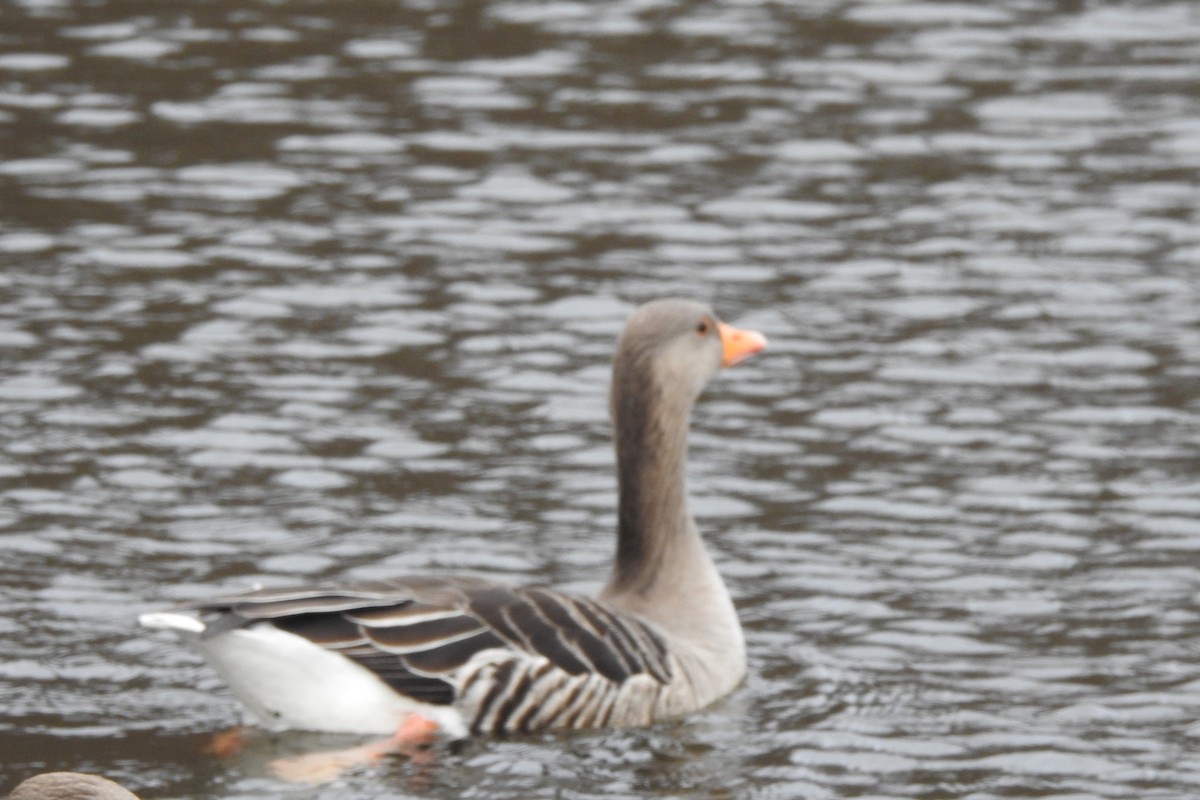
(421, 637)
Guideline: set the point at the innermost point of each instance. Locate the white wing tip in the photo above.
(172, 621)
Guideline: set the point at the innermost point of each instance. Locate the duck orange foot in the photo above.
(412, 738)
(227, 744)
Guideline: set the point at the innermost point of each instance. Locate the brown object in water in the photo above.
(70, 786)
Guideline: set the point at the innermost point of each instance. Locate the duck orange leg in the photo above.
(228, 743)
(412, 738)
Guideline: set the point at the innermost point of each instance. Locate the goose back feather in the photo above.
(473, 644)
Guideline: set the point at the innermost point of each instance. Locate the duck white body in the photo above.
(662, 639)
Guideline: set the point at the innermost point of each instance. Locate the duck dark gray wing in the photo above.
(418, 635)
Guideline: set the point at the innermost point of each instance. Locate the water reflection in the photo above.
(302, 292)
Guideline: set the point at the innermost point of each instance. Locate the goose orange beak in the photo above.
(738, 344)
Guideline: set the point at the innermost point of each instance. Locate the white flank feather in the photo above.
(286, 681)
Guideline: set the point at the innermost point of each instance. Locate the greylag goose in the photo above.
(70, 786)
(472, 655)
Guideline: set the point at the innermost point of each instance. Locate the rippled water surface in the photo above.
(312, 290)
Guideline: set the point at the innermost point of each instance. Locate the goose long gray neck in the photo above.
(663, 573)
(653, 521)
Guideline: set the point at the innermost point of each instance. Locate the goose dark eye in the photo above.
(704, 326)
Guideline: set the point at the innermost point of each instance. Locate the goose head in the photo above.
(671, 349)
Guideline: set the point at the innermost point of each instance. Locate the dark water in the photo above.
(310, 290)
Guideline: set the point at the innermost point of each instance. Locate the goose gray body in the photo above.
(660, 640)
